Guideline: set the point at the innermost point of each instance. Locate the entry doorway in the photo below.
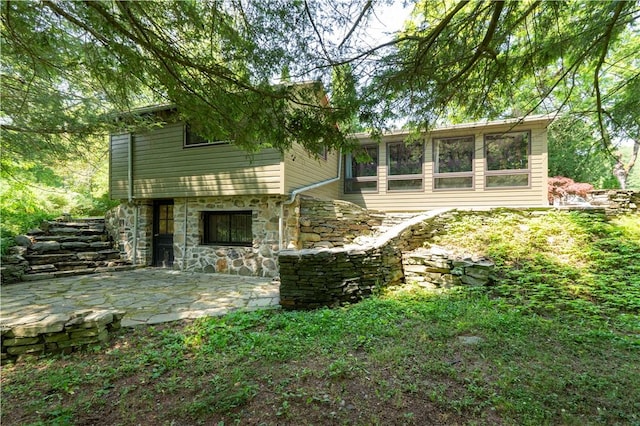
(163, 233)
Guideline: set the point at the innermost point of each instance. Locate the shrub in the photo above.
(560, 187)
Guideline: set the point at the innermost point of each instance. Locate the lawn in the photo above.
(555, 341)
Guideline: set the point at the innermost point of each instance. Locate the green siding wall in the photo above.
(163, 168)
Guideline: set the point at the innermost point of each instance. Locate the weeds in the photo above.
(555, 341)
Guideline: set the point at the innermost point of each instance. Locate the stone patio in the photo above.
(146, 296)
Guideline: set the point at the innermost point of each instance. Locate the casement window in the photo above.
(361, 170)
(405, 166)
(507, 160)
(232, 228)
(192, 139)
(453, 163)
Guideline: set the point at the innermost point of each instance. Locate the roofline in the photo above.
(531, 119)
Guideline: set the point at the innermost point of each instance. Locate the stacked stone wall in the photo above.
(334, 223)
(328, 277)
(435, 267)
(616, 201)
(57, 333)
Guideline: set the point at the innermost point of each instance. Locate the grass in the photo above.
(555, 341)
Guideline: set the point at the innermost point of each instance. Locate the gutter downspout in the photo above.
(130, 167)
(298, 191)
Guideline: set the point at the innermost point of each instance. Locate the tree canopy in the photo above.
(67, 67)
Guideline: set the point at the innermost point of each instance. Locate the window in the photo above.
(405, 166)
(507, 160)
(361, 170)
(192, 139)
(453, 163)
(227, 228)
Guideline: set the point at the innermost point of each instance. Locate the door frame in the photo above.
(162, 244)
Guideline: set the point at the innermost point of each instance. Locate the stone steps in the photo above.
(66, 248)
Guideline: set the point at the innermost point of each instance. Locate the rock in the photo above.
(46, 246)
(23, 240)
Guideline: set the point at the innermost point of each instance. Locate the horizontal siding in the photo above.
(535, 195)
(163, 168)
(302, 169)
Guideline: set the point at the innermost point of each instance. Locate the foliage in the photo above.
(557, 344)
(31, 192)
(578, 263)
(560, 187)
(574, 152)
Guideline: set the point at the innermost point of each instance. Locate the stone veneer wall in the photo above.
(190, 255)
(258, 260)
(57, 333)
(120, 226)
(334, 223)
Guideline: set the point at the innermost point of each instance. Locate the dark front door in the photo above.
(163, 233)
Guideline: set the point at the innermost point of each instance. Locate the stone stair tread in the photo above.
(69, 238)
(69, 247)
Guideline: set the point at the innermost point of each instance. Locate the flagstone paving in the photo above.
(148, 296)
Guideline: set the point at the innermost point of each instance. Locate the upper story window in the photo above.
(192, 139)
(361, 170)
(507, 159)
(231, 228)
(453, 163)
(405, 166)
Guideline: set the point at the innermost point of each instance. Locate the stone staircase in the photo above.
(69, 247)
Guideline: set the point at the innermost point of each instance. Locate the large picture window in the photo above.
(405, 166)
(227, 228)
(507, 160)
(453, 163)
(361, 170)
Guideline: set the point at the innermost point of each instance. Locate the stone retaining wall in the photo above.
(435, 267)
(334, 223)
(616, 201)
(57, 333)
(312, 278)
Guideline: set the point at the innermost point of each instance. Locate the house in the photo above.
(200, 205)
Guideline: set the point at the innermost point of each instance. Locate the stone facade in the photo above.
(274, 223)
(258, 260)
(121, 226)
(57, 333)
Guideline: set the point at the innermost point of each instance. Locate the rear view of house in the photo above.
(200, 205)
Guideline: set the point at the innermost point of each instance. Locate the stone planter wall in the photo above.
(57, 333)
(311, 278)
